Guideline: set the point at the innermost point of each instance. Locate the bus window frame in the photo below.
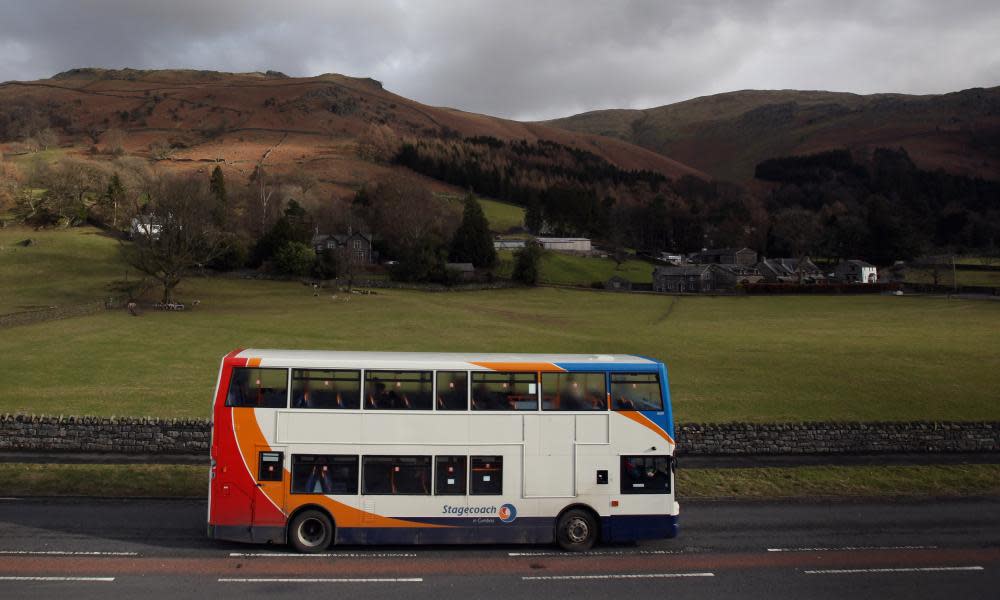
(659, 388)
(538, 390)
(288, 387)
(604, 399)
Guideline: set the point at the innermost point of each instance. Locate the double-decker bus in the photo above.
(314, 448)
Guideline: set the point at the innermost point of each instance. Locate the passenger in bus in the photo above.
(380, 399)
(623, 403)
(320, 480)
(301, 399)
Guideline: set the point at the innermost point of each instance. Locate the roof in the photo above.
(680, 271)
(459, 266)
(561, 239)
(445, 360)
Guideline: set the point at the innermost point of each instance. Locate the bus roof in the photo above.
(444, 360)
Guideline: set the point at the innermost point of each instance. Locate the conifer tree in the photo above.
(472, 241)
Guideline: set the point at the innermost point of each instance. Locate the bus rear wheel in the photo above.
(311, 531)
(576, 530)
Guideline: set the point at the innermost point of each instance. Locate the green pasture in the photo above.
(61, 266)
(502, 216)
(946, 277)
(571, 269)
(864, 358)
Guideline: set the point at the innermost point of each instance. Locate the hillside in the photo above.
(727, 135)
(183, 119)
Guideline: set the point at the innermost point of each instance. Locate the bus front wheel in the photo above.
(311, 531)
(576, 530)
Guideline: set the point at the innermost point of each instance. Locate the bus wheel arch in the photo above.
(577, 528)
(311, 529)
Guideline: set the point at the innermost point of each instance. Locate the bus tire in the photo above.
(311, 531)
(576, 530)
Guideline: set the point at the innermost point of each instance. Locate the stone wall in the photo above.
(736, 439)
(192, 436)
(104, 434)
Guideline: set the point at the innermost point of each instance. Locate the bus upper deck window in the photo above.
(259, 388)
(636, 391)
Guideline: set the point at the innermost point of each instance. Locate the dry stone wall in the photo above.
(192, 436)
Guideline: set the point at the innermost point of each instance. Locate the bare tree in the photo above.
(174, 231)
(114, 142)
(71, 186)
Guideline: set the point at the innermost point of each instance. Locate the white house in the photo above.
(508, 244)
(857, 271)
(146, 226)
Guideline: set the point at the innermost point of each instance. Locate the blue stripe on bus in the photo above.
(524, 530)
(593, 367)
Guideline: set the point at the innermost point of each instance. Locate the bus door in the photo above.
(268, 507)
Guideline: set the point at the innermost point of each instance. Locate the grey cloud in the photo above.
(524, 59)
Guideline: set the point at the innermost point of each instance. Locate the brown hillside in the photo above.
(726, 135)
(236, 119)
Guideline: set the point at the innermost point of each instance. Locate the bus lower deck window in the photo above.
(487, 476)
(645, 475)
(403, 475)
(324, 474)
(449, 479)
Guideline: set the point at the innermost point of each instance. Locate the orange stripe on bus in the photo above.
(249, 438)
(643, 420)
(519, 367)
(253, 362)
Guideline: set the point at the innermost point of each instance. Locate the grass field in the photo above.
(984, 278)
(747, 358)
(501, 215)
(183, 481)
(570, 269)
(62, 266)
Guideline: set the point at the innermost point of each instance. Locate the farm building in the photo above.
(565, 244)
(508, 244)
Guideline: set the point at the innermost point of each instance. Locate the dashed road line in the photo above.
(321, 580)
(323, 554)
(617, 576)
(834, 548)
(63, 553)
(39, 578)
(611, 552)
(891, 570)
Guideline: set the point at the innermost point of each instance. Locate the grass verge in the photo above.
(847, 482)
(191, 481)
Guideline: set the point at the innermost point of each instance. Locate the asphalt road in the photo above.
(157, 549)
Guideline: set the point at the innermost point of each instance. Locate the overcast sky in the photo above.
(532, 59)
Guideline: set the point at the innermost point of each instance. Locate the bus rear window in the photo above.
(573, 391)
(504, 391)
(316, 388)
(260, 388)
(636, 391)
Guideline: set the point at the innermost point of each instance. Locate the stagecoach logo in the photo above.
(505, 512)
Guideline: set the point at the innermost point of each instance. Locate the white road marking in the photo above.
(831, 548)
(891, 570)
(13, 578)
(608, 552)
(618, 576)
(63, 553)
(325, 554)
(323, 580)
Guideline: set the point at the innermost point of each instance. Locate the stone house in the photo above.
(789, 270)
(357, 244)
(462, 271)
(691, 279)
(729, 276)
(856, 271)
